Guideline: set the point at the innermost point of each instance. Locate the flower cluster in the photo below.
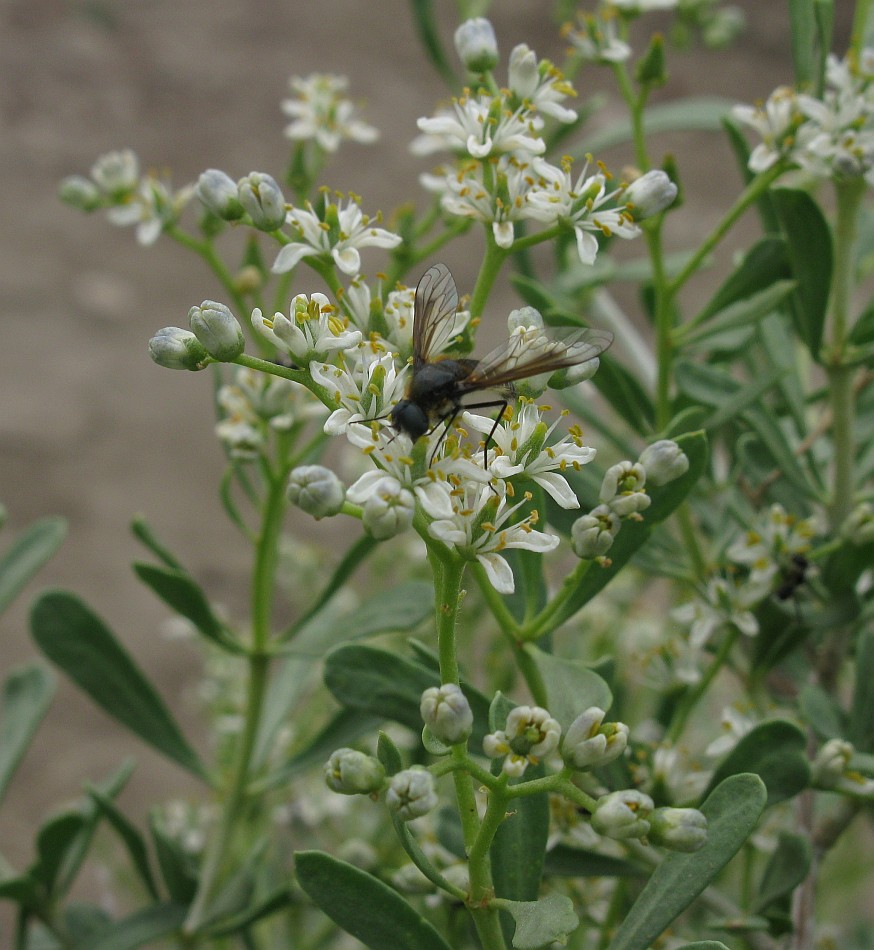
(831, 136)
(320, 112)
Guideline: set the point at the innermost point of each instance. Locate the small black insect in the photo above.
(439, 384)
(794, 576)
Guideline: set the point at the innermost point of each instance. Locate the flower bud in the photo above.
(353, 773)
(592, 535)
(175, 348)
(663, 461)
(447, 713)
(623, 814)
(623, 489)
(262, 198)
(522, 71)
(217, 329)
(830, 763)
(79, 192)
(679, 829)
(524, 318)
(858, 529)
(316, 490)
(650, 194)
(477, 45)
(571, 375)
(117, 174)
(590, 743)
(389, 510)
(529, 735)
(219, 193)
(411, 793)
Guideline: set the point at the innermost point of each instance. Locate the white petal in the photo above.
(447, 531)
(363, 487)
(348, 260)
(434, 499)
(587, 246)
(498, 572)
(503, 233)
(290, 255)
(557, 488)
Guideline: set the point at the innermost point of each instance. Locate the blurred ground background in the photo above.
(90, 428)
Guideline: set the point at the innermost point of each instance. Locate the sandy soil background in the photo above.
(90, 428)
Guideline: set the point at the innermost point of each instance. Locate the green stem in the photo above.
(552, 614)
(488, 272)
(206, 250)
(635, 109)
(235, 805)
(860, 25)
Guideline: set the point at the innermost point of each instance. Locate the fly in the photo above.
(438, 385)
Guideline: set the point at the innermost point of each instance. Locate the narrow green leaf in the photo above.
(177, 867)
(822, 712)
(565, 861)
(540, 923)
(862, 711)
(83, 921)
(181, 592)
(624, 393)
(803, 32)
(776, 752)
(809, 243)
(140, 929)
(417, 855)
(704, 945)
(732, 811)
(55, 843)
(425, 21)
(695, 113)
(276, 900)
(741, 149)
(745, 398)
(27, 695)
(571, 686)
(142, 531)
(739, 313)
(133, 841)
(363, 906)
(787, 868)
(77, 640)
(389, 754)
(27, 554)
(518, 848)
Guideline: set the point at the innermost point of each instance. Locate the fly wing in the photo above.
(520, 358)
(434, 315)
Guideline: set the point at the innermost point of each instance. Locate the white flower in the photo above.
(734, 726)
(364, 384)
(767, 549)
(530, 734)
(776, 122)
(541, 86)
(723, 603)
(495, 194)
(321, 112)
(116, 173)
(339, 231)
(479, 125)
(478, 529)
(596, 40)
(153, 207)
(312, 331)
(643, 6)
(521, 448)
(557, 198)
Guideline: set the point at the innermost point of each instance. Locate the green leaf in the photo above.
(565, 861)
(133, 841)
(142, 531)
(27, 695)
(695, 113)
(571, 686)
(740, 313)
(802, 32)
(704, 945)
(76, 640)
(140, 929)
(417, 855)
(389, 754)
(181, 592)
(55, 846)
(27, 554)
(363, 906)
(809, 243)
(177, 867)
(732, 811)
(519, 845)
(776, 752)
(277, 899)
(862, 711)
(822, 712)
(624, 393)
(387, 686)
(429, 36)
(786, 869)
(539, 923)
(633, 534)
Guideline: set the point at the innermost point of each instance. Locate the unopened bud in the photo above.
(650, 194)
(830, 763)
(524, 318)
(522, 70)
(389, 510)
(79, 192)
(117, 174)
(477, 45)
(411, 793)
(623, 814)
(316, 490)
(592, 535)
(175, 348)
(590, 742)
(623, 489)
(262, 198)
(218, 330)
(219, 192)
(858, 529)
(447, 713)
(571, 375)
(353, 773)
(663, 461)
(679, 829)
